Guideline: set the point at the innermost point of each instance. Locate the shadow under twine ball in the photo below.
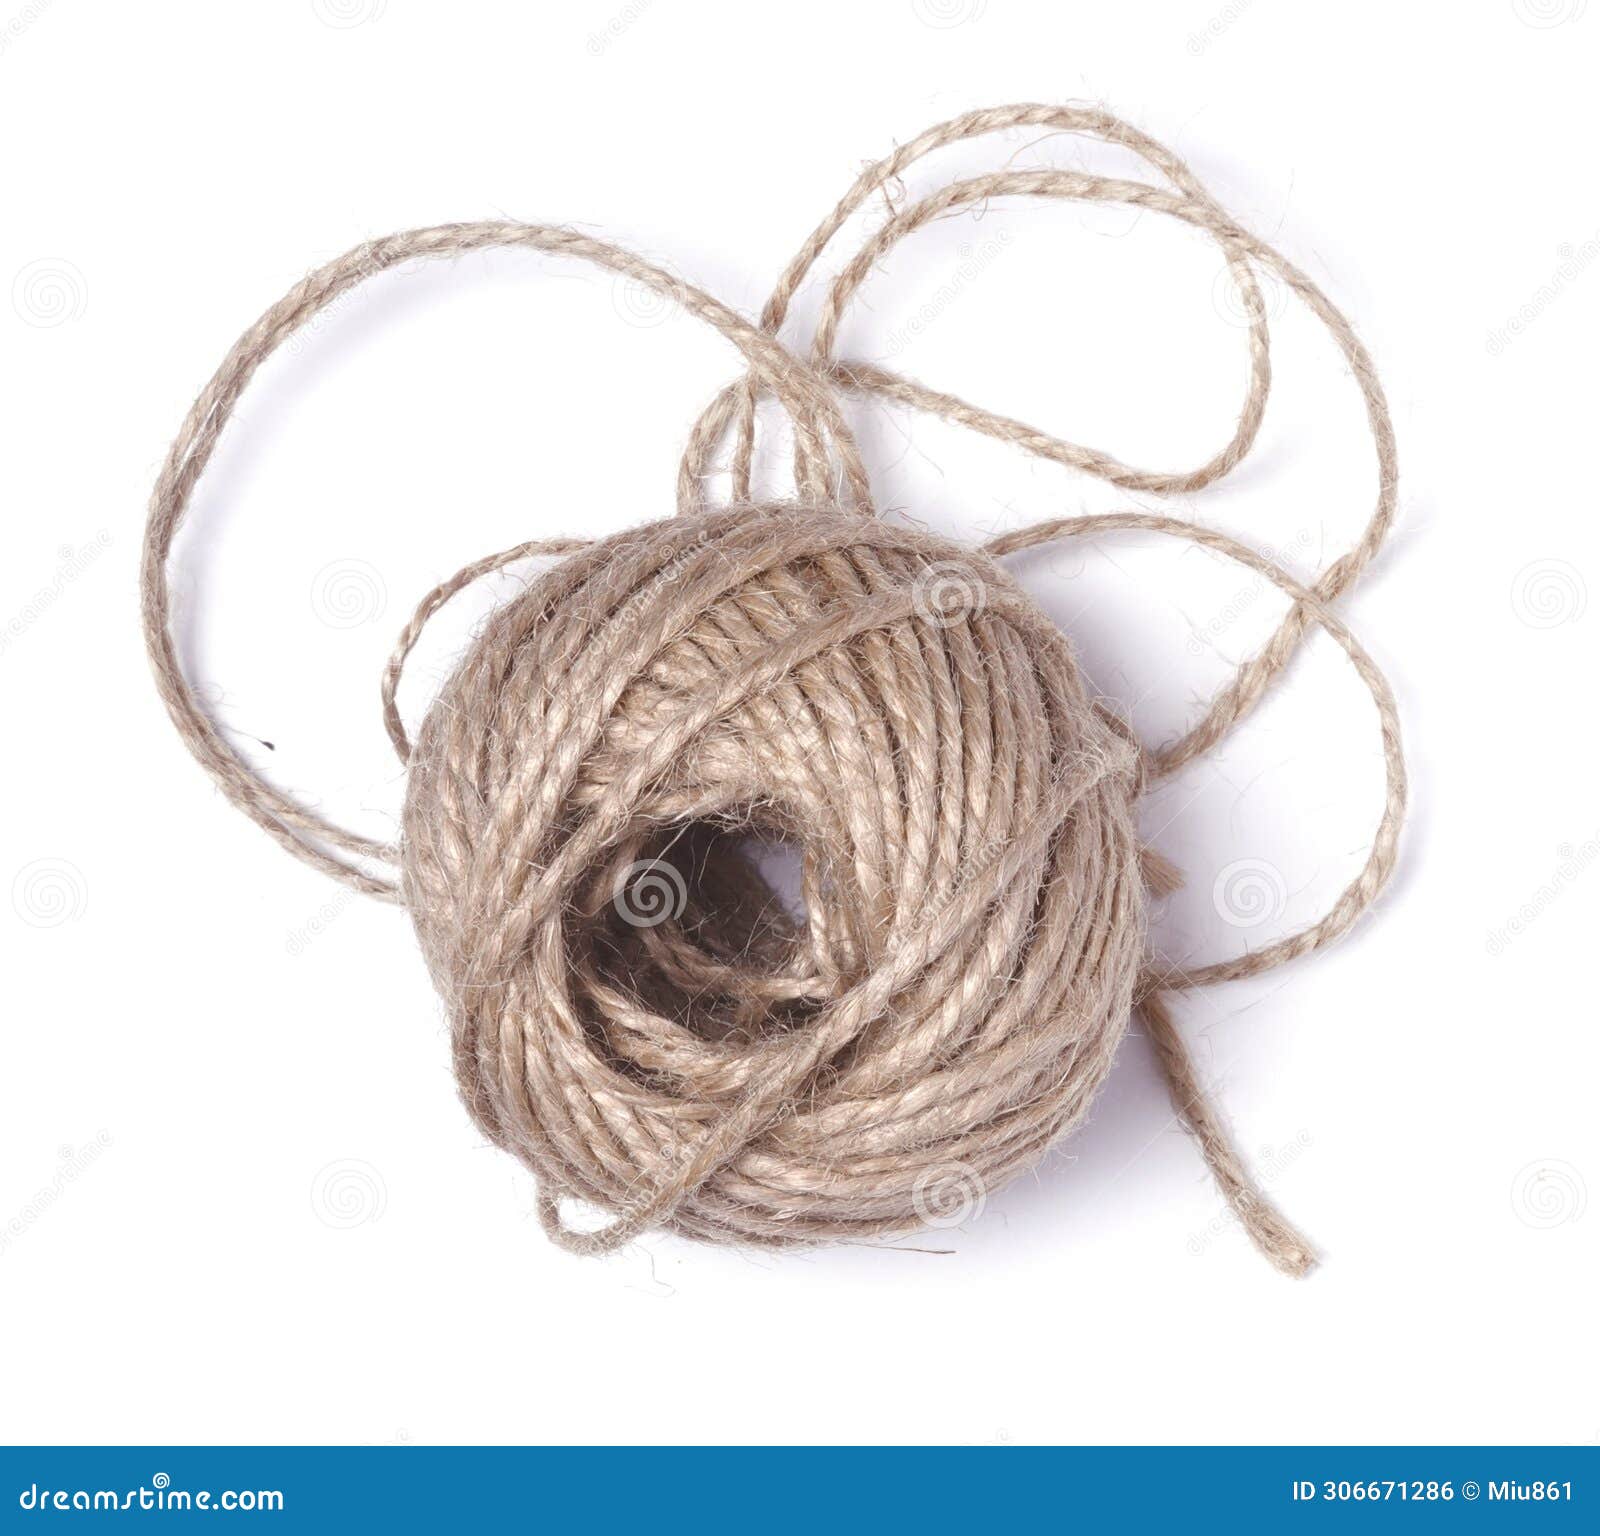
(776, 868)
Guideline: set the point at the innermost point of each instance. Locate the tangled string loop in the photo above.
(638, 1010)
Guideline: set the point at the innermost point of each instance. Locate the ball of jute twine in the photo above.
(635, 1012)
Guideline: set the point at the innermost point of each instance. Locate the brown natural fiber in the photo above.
(635, 1012)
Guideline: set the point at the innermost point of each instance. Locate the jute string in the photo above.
(635, 1012)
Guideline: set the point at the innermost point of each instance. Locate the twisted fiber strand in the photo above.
(740, 399)
(808, 397)
(972, 942)
(1194, 206)
(1380, 861)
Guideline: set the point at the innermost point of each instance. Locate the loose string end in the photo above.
(1161, 876)
(1274, 1236)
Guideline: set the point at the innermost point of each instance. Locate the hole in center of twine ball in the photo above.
(706, 926)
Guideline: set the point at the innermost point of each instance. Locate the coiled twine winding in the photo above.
(635, 1012)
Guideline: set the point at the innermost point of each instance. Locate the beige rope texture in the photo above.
(635, 1013)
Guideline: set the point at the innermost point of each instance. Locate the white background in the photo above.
(241, 1201)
